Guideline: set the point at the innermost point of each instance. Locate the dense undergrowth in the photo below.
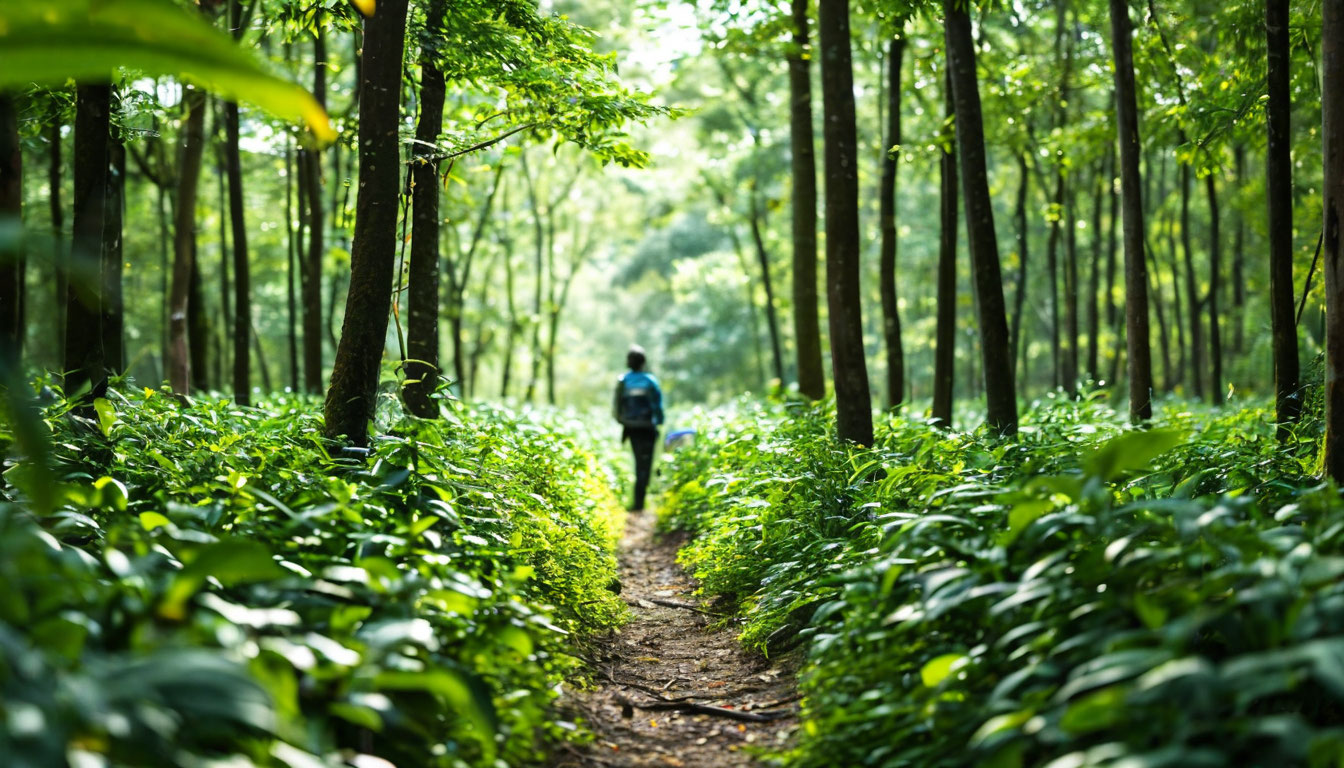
(1085, 595)
(219, 586)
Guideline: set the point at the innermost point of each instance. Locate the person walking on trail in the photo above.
(639, 409)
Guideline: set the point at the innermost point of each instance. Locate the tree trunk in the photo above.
(11, 248)
(59, 256)
(1239, 261)
(891, 316)
(1178, 314)
(422, 328)
(806, 326)
(944, 355)
(225, 295)
(198, 327)
(1094, 282)
(1000, 390)
(84, 363)
(1019, 301)
(1332, 114)
(1052, 273)
(354, 378)
(1136, 272)
(1279, 193)
(310, 272)
(1216, 384)
(1113, 317)
(854, 410)
(292, 247)
(459, 276)
(1192, 291)
(763, 261)
(242, 284)
(184, 238)
(1070, 290)
(113, 306)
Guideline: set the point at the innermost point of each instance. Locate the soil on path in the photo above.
(667, 656)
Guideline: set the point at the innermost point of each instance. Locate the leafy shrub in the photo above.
(1086, 595)
(194, 583)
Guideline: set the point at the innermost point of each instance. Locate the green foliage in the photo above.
(212, 581)
(52, 42)
(1088, 595)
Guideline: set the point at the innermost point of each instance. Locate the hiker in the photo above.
(639, 409)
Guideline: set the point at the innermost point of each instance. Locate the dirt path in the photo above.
(667, 657)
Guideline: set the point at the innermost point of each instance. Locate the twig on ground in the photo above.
(705, 709)
(780, 703)
(685, 607)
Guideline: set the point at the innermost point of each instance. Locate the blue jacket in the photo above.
(638, 379)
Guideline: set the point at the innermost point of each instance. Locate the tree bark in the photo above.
(1113, 317)
(1000, 390)
(891, 316)
(848, 366)
(1070, 290)
(59, 255)
(84, 364)
(310, 272)
(1239, 261)
(354, 378)
(1020, 217)
(1192, 291)
(1279, 193)
(422, 328)
(1136, 272)
(1216, 384)
(806, 326)
(113, 313)
(1052, 273)
(291, 250)
(944, 355)
(184, 239)
(1094, 282)
(242, 283)
(1332, 242)
(198, 326)
(11, 247)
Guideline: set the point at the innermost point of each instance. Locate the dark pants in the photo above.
(643, 442)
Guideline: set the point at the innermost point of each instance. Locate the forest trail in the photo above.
(667, 656)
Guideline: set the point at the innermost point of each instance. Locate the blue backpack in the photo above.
(639, 404)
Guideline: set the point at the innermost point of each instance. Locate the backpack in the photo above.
(639, 400)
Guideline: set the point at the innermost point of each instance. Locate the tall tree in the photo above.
(1216, 385)
(84, 363)
(184, 238)
(1094, 280)
(11, 221)
(1000, 388)
(1279, 193)
(945, 341)
(891, 317)
(422, 327)
(1020, 219)
(1332, 120)
(54, 168)
(1192, 301)
(310, 264)
(1136, 270)
(354, 377)
(806, 325)
(849, 369)
(242, 282)
(112, 310)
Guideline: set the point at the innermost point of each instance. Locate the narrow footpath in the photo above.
(668, 691)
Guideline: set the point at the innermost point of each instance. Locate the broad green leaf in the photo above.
(51, 42)
(1095, 711)
(230, 562)
(939, 669)
(468, 700)
(1130, 451)
(107, 415)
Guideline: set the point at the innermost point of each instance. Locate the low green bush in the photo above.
(1084, 595)
(213, 585)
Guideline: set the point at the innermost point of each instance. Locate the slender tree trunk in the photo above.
(944, 355)
(806, 326)
(84, 363)
(1332, 114)
(1239, 261)
(1094, 282)
(1192, 291)
(1279, 193)
(1052, 273)
(59, 256)
(225, 295)
(1019, 301)
(198, 326)
(1136, 277)
(354, 378)
(506, 246)
(1114, 320)
(184, 239)
(1070, 290)
(1179, 316)
(292, 247)
(459, 275)
(422, 340)
(849, 368)
(891, 316)
(763, 261)
(310, 272)
(1159, 309)
(11, 248)
(113, 306)
(242, 283)
(1000, 389)
(1216, 384)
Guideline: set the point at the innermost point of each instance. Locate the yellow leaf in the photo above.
(365, 7)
